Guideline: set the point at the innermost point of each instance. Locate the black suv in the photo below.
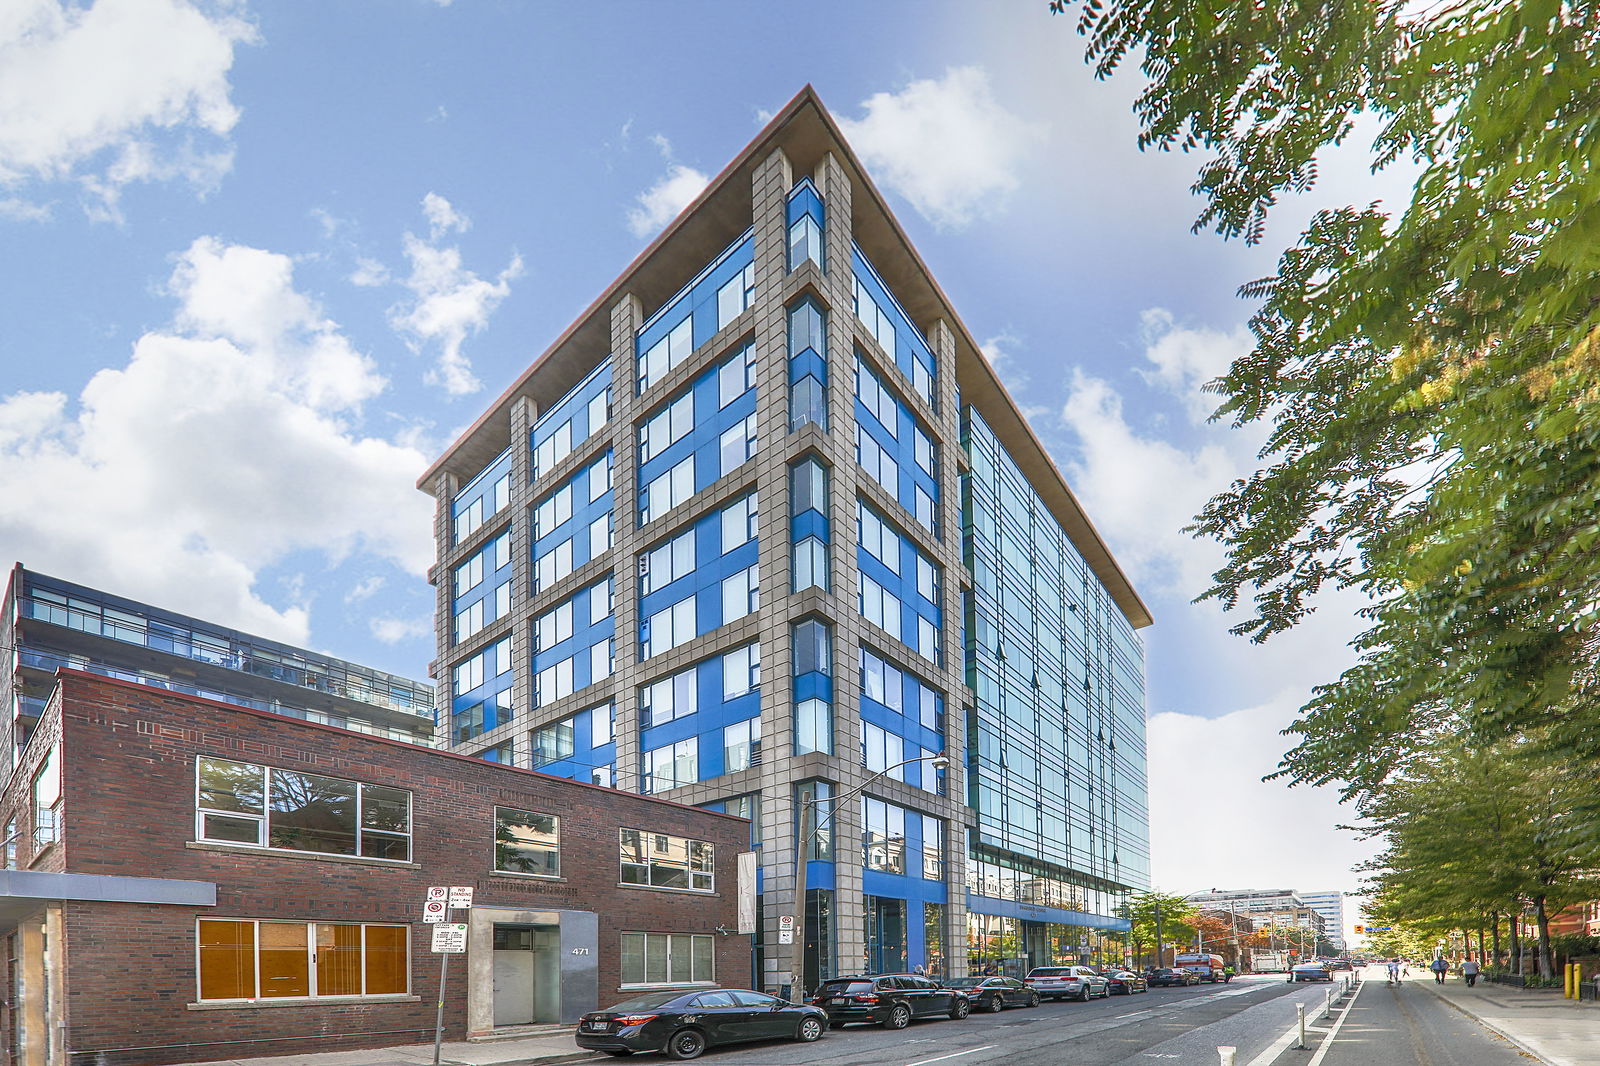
(890, 1000)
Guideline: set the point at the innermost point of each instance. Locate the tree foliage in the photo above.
(1431, 374)
(1148, 913)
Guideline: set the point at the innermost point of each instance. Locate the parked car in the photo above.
(1166, 975)
(1338, 964)
(891, 1000)
(1067, 982)
(683, 1024)
(1126, 982)
(994, 994)
(1310, 971)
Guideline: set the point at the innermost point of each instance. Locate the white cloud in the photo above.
(366, 589)
(945, 145)
(369, 273)
(221, 448)
(442, 218)
(1215, 824)
(1186, 359)
(119, 92)
(449, 301)
(396, 630)
(19, 210)
(1142, 491)
(663, 201)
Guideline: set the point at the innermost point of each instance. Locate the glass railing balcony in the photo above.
(31, 706)
(329, 676)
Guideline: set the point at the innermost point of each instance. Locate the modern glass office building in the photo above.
(47, 623)
(761, 531)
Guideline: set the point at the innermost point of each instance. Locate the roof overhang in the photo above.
(806, 133)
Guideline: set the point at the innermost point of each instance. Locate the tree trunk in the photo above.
(1480, 941)
(1514, 924)
(1494, 928)
(1546, 964)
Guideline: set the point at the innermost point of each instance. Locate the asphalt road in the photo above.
(1406, 1025)
(1163, 1027)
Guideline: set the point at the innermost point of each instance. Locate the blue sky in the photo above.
(263, 261)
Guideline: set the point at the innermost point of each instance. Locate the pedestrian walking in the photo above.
(1394, 971)
(1439, 968)
(1469, 972)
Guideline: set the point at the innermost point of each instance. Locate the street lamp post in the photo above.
(809, 826)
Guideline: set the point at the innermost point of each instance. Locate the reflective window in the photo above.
(664, 861)
(526, 843)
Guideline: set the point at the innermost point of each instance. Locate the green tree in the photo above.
(1175, 916)
(1431, 375)
(1472, 831)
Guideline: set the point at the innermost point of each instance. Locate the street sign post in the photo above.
(449, 938)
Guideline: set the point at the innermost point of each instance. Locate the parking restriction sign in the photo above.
(461, 896)
(433, 911)
(450, 938)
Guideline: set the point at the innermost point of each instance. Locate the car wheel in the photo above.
(810, 1029)
(960, 1008)
(993, 1005)
(686, 1044)
(898, 1018)
(1033, 1000)
(1083, 996)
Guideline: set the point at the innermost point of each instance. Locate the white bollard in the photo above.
(1300, 1010)
(1226, 1054)
(1328, 1008)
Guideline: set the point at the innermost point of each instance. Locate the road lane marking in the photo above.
(1333, 1034)
(955, 1055)
(1135, 1014)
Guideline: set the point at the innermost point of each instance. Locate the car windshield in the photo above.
(646, 1002)
(964, 982)
(1049, 971)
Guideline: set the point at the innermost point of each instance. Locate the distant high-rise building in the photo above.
(762, 531)
(47, 623)
(1271, 907)
(1331, 906)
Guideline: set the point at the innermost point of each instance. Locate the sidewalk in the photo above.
(541, 1044)
(1557, 1031)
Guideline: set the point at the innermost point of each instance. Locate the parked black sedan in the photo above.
(1168, 976)
(891, 1000)
(1126, 982)
(994, 994)
(683, 1024)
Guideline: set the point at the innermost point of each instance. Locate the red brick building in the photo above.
(187, 880)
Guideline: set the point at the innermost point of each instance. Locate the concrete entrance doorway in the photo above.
(527, 974)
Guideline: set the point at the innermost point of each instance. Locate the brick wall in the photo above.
(128, 809)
